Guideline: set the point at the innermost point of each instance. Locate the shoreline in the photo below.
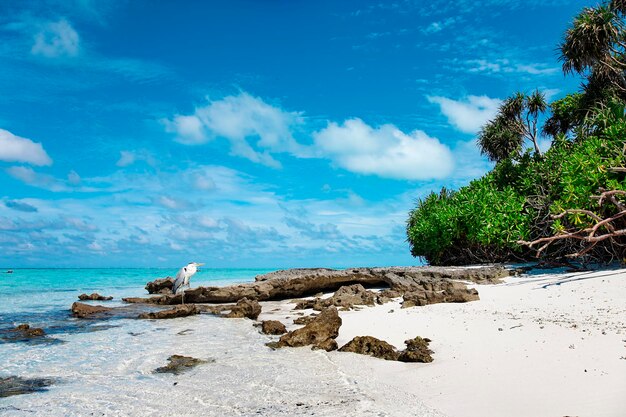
(508, 353)
(541, 345)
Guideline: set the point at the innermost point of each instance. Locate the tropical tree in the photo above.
(517, 120)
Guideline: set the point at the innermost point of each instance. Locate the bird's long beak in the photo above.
(199, 264)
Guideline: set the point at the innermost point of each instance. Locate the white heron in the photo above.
(183, 276)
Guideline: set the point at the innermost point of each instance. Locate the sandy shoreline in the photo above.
(536, 345)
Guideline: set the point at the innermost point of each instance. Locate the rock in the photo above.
(305, 319)
(160, 286)
(295, 283)
(15, 385)
(95, 296)
(178, 311)
(82, 310)
(27, 331)
(387, 295)
(273, 327)
(316, 333)
(178, 364)
(416, 351)
(368, 345)
(454, 293)
(345, 297)
(244, 308)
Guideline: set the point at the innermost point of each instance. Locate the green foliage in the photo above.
(503, 137)
(483, 221)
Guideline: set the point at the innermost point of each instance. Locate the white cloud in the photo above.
(505, 66)
(385, 151)
(56, 39)
(438, 26)
(128, 158)
(467, 115)
(254, 128)
(17, 149)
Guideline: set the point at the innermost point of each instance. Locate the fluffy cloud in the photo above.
(17, 149)
(56, 39)
(253, 127)
(385, 151)
(467, 115)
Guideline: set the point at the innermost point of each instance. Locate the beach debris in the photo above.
(416, 349)
(15, 385)
(94, 296)
(273, 327)
(176, 312)
(82, 310)
(178, 364)
(320, 332)
(160, 286)
(345, 297)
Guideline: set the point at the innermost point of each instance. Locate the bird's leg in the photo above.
(183, 296)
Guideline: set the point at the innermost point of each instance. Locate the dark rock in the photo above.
(27, 331)
(273, 327)
(244, 308)
(178, 364)
(160, 286)
(82, 310)
(178, 311)
(345, 297)
(316, 333)
(368, 345)
(15, 385)
(387, 295)
(455, 292)
(305, 319)
(95, 296)
(416, 351)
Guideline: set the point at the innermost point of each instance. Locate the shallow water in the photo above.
(106, 367)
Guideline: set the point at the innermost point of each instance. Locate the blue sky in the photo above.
(249, 133)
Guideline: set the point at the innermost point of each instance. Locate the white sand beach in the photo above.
(535, 345)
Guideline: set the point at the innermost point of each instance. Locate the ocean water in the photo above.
(105, 368)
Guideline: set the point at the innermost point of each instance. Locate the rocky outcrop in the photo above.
(160, 286)
(345, 297)
(304, 319)
(26, 331)
(273, 327)
(387, 295)
(15, 385)
(368, 345)
(178, 311)
(320, 332)
(243, 309)
(416, 349)
(94, 296)
(297, 283)
(82, 310)
(454, 292)
(178, 364)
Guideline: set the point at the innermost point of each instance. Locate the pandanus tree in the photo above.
(517, 120)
